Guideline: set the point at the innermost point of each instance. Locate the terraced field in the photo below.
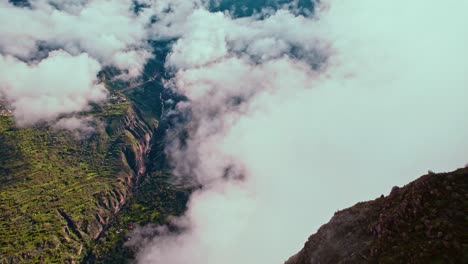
(58, 191)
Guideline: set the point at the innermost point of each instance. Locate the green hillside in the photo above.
(58, 192)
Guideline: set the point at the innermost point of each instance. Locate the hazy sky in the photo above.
(293, 116)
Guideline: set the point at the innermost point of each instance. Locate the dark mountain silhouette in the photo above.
(425, 221)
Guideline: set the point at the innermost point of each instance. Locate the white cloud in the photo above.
(107, 30)
(206, 33)
(171, 16)
(208, 37)
(59, 84)
(389, 105)
(51, 52)
(82, 126)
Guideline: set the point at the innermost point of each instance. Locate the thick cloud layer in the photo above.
(51, 52)
(280, 139)
(107, 30)
(59, 84)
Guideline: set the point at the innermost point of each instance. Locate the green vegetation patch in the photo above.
(57, 191)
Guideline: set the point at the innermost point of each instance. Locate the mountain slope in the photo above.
(59, 192)
(63, 198)
(424, 222)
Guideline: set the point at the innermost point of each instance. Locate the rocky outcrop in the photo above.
(137, 138)
(133, 137)
(424, 222)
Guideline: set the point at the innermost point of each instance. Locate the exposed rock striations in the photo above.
(59, 193)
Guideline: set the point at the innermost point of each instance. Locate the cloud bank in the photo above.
(107, 30)
(51, 52)
(60, 83)
(295, 117)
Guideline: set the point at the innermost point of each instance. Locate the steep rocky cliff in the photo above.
(425, 221)
(132, 139)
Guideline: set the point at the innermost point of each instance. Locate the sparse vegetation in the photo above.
(155, 202)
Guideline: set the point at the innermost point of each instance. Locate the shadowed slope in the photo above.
(424, 222)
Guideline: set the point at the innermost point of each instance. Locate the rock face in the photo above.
(425, 221)
(135, 137)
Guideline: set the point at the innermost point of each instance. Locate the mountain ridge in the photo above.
(423, 222)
